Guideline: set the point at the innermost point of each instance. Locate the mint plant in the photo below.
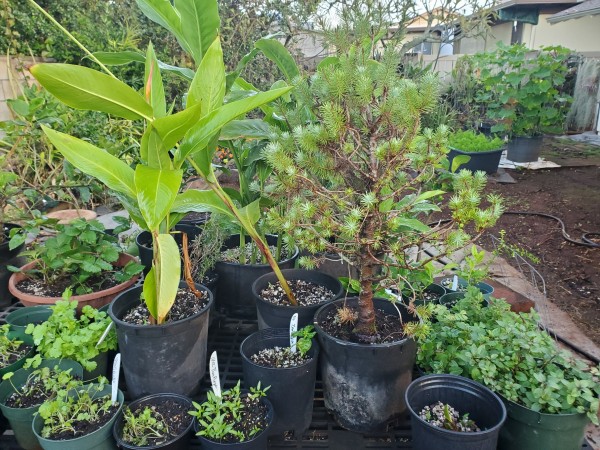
(64, 335)
(511, 355)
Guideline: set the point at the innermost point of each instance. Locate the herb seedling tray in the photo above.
(225, 337)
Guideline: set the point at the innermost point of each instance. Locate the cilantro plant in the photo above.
(79, 254)
(511, 355)
(64, 335)
(10, 349)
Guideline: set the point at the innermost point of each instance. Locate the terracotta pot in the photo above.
(94, 299)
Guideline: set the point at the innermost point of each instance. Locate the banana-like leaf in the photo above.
(150, 290)
(172, 128)
(245, 128)
(154, 88)
(163, 13)
(195, 200)
(458, 161)
(250, 214)
(199, 24)
(153, 150)
(94, 161)
(126, 57)
(83, 88)
(232, 76)
(199, 136)
(156, 192)
(208, 86)
(276, 52)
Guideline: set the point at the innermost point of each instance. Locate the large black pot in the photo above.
(486, 161)
(292, 389)
(464, 395)
(180, 442)
(524, 149)
(271, 315)
(364, 384)
(161, 358)
(8, 257)
(234, 287)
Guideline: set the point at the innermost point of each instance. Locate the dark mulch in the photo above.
(306, 292)
(85, 427)
(389, 327)
(186, 305)
(279, 357)
(15, 356)
(175, 416)
(37, 287)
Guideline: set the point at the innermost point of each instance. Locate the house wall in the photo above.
(581, 35)
(500, 32)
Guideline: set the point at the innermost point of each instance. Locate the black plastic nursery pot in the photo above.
(20, 419)
(8, 257)
(432, 288)
(526, 429)
(485, 288)
(235, 280)
(291, 389)
(101, 439)
(21, 317)
(259, 442)
(180, 442)
(524, 149)
(271, 315)
(161, 358)
(464, 395)
(486, 161)
(364, 384)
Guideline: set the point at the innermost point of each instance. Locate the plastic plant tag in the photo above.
(293, 329)
(215, 379)
(455, 283)
(115, 378)
(110, 325)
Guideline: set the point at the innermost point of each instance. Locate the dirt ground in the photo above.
(571, 272)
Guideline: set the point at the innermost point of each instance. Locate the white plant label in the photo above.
(293, 329)
(215, 378)
(110, 325)
(115, 378)
(455, 283)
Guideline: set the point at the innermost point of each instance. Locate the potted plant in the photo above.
(471, 271)
(484, 152)
(454, 413)
(355, 182)
(65, 334)
(290, 371)
(236, 419)
(22, 393)
(80, 256)
(550, 396)
(15, 347)
(155, 421)
(79, 418)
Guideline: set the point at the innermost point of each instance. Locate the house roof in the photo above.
(509, 3)
(586, 8)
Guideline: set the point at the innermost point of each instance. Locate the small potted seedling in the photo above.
(22, 392)
(287, 362)
(15, 347)
(155, 421)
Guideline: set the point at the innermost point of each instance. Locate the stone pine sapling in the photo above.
(355, 179)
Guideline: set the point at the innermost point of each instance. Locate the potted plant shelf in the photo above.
(81, 418)
(484, 152)
(549, 395)
(22, 394)
(155, 421)
(454, 413)
(311, 288)
(268, 358)
(79, 255)
(239, 420)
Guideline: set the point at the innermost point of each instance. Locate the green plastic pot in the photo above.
(20, 318)
(101, 439)
(20, 419)
(100, 370)
(20, 335)
(526, 429)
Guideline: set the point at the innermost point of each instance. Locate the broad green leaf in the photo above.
(94, 161)
(276, 52)
(233, 76)
(328, 61)
(246, 128)
(195, 200)
(172, 128)
(199, 136)
(250, 214)
(119, 58)
(156, 192)
(167, 264)
(184, 72)
(153, 150)
(427, 195)
(154, 89)
(83, 88)
(163, 13)
(208, 85)
(199, 24)
(413, 224)
(458, 161)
